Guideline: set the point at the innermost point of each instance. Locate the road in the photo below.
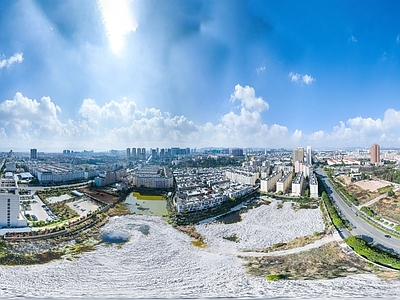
(360, 227)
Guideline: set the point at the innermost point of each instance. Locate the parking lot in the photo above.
(37, 208)
(84, 206)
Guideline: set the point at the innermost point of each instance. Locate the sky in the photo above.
(100, 75)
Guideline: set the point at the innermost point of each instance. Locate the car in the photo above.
(387, 236)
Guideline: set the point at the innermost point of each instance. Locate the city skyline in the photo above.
(245, 74)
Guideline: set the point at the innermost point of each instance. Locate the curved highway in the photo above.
(359, 226)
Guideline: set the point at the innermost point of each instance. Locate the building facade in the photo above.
(284, 182)
(298, 155)
(375, 154)
(9, 204)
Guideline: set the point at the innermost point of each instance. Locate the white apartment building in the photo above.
(9, 204)
(242, 176)
(269, 184)
(153, 177)
(54, 173)
(313, 186)
(305, 168)
(298, 184)
(284, 182)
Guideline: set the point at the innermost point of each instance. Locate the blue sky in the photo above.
(115, 74)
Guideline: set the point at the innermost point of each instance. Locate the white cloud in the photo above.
(22, 116)
(398, 39)
(307, 79)
(260, 69)
(248, 99)
(7, 62)
(353, 39)
(296, 77)
(121, 124)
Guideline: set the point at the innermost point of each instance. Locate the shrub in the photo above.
(274, 277)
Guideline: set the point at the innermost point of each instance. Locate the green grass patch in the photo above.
(373, 253)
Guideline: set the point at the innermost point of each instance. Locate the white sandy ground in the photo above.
(163, 264)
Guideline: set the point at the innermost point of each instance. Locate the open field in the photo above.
(372, 185)
(327, 261)
(388, 208)
(361, 194)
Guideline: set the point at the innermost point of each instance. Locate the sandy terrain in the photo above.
(159, 261)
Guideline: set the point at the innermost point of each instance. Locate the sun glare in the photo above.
(118, 22)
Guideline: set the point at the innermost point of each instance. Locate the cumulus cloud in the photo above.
(121, 124)
(296, 77)
(23, 114)
(7, 62)
(247, 96)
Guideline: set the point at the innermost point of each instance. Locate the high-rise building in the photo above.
(133, 153)
(33, 153)
(128, 153)
(309, 155)
(375, 154)
(298, 155)
(9, 203)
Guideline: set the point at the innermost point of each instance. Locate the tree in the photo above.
(390, 193)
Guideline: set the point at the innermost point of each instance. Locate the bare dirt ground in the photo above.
(388, 208)
(371, 185)
(100, 195)
(346, 179)
(361, 194)
(328, 261)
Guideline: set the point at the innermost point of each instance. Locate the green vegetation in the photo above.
(340, 189)
(373, 253)
(390, 193)
(390, 175)
(274, 277)
(336, 220)
(368, 211)
(62, 210)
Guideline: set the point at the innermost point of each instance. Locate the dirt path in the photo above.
(316, 244)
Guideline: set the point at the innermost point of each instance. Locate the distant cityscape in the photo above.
(194, 185)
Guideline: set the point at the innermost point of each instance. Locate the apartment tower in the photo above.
(375, 154)
(298, 155)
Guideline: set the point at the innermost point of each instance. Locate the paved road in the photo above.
(360, 227)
